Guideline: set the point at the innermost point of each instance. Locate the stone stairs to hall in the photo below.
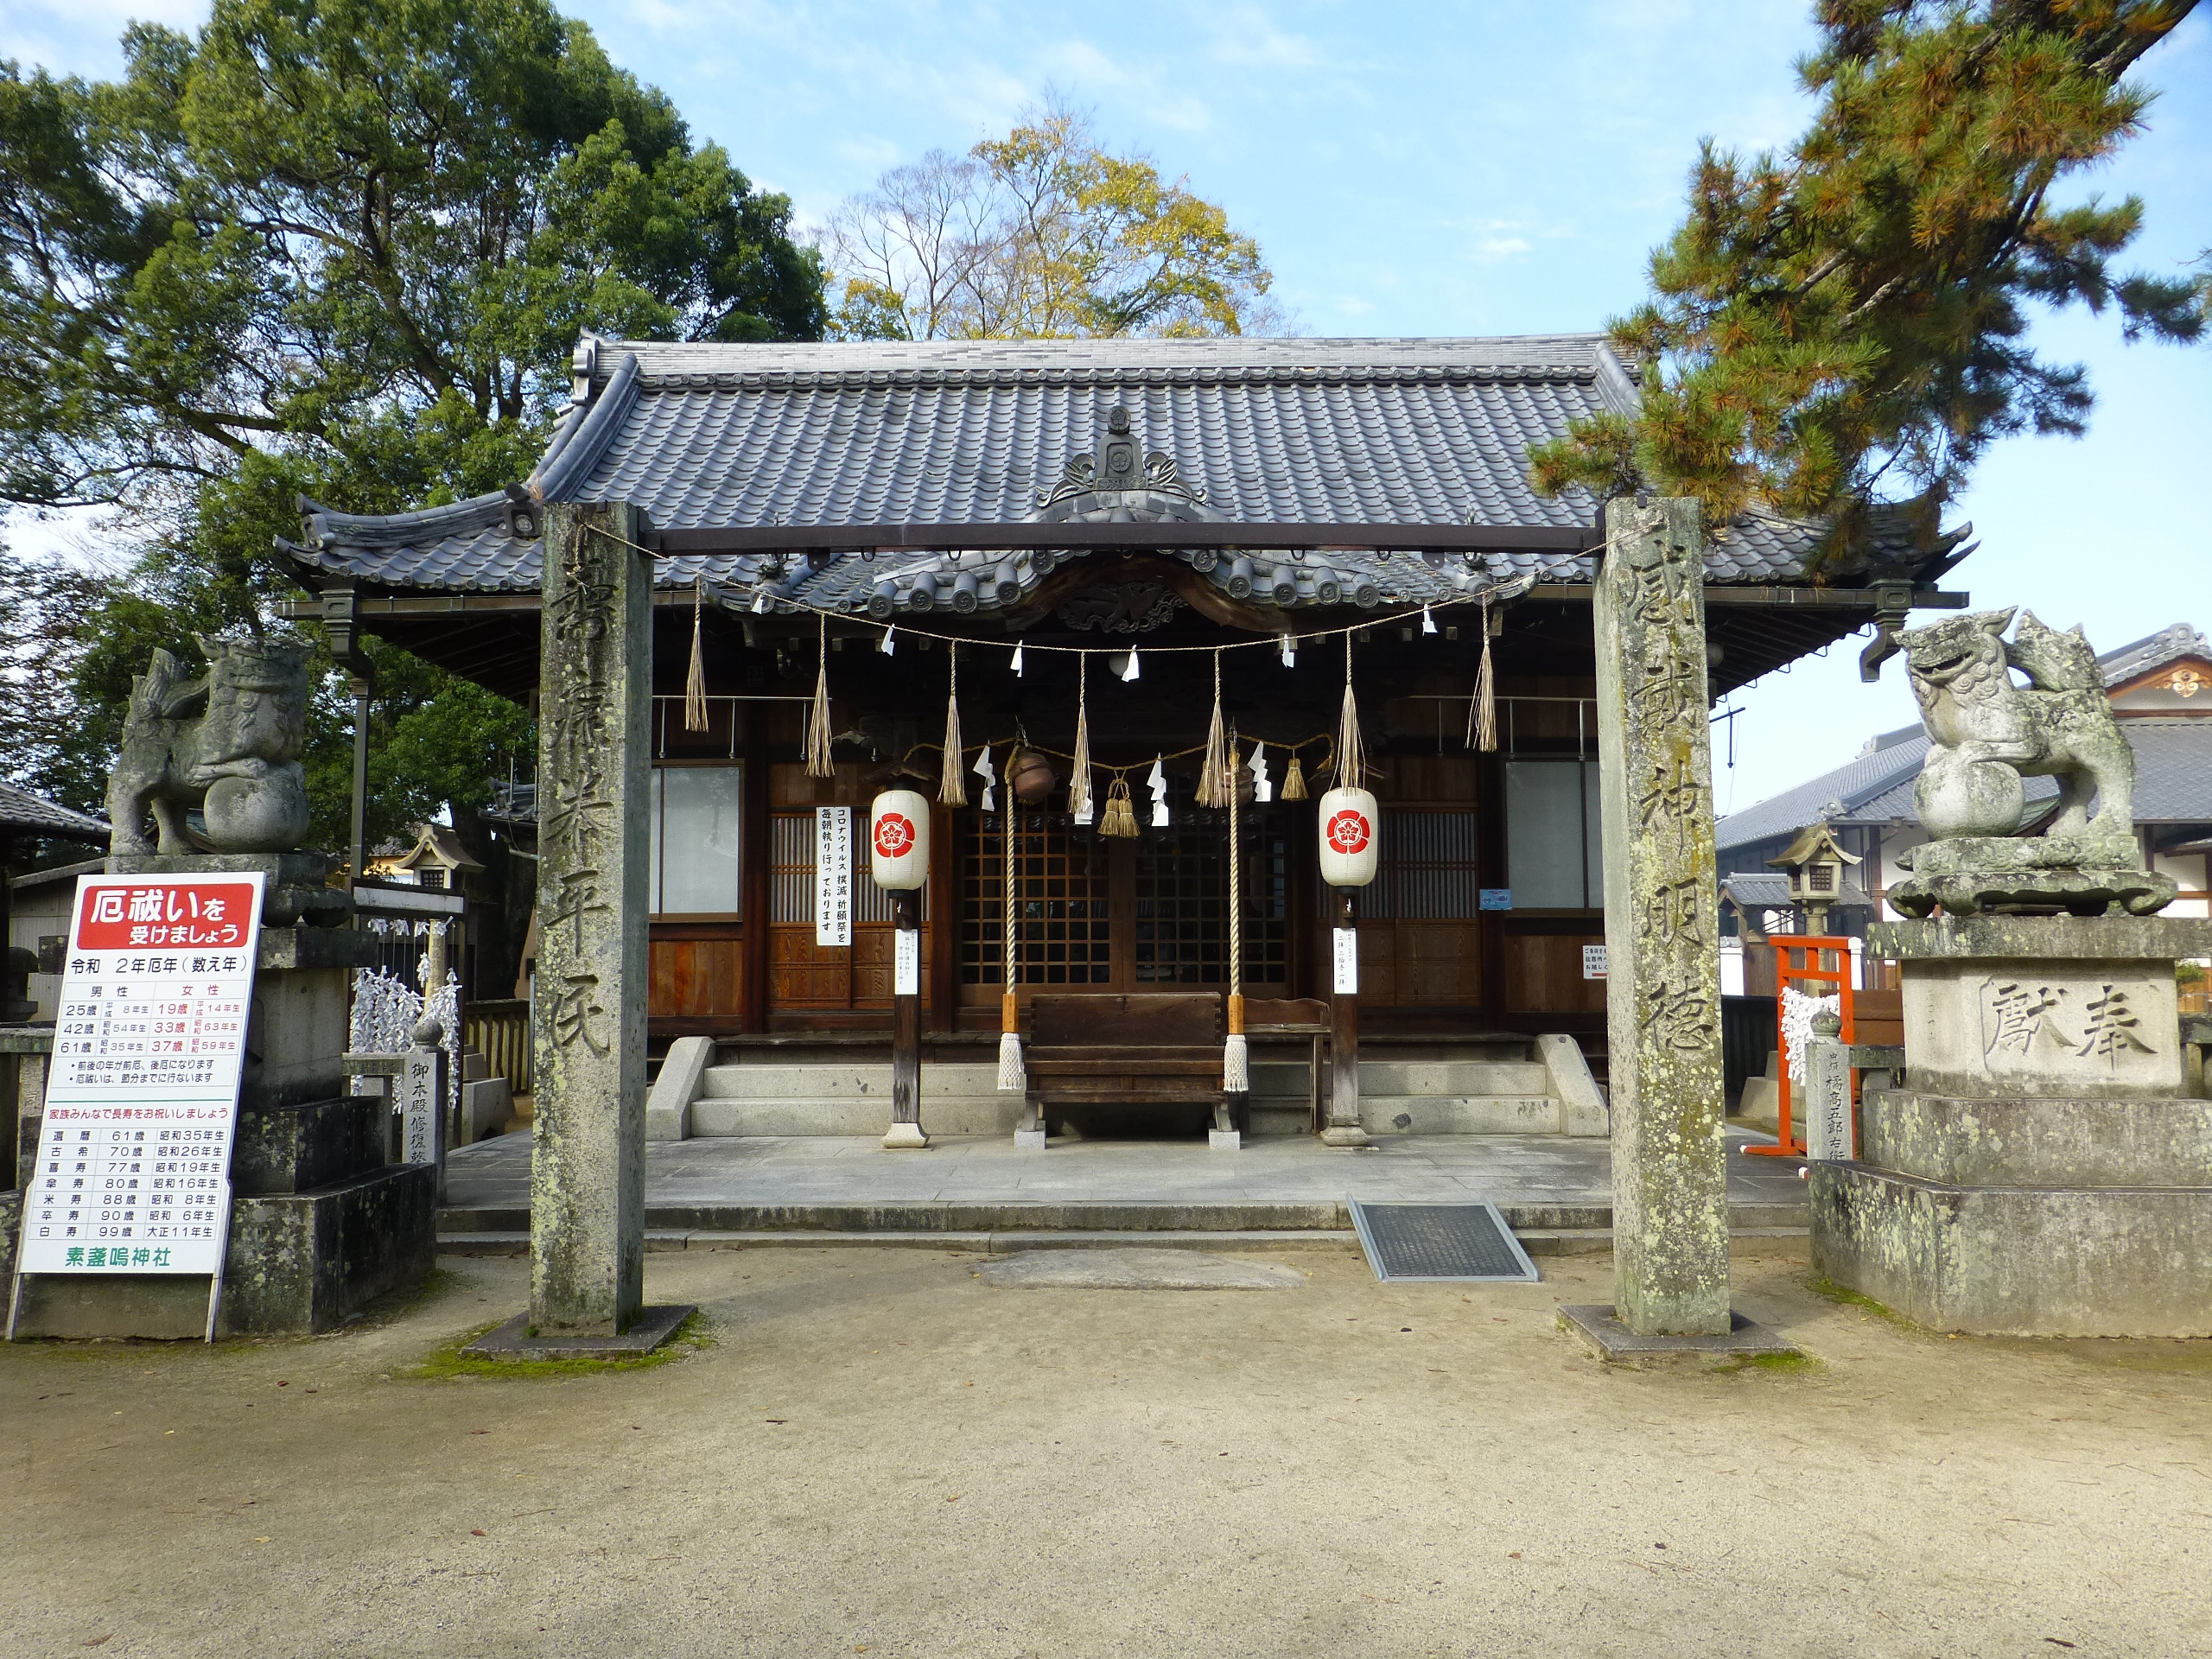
(1496, 1086)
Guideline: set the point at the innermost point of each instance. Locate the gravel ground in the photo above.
(880, 1453)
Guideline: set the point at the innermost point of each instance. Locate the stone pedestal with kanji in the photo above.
(2043, 1171)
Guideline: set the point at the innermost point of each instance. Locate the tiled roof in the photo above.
(20, 809)
(2168, 644)
(2173, 785)
(1418, 432)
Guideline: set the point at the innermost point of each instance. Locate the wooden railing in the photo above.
(499, 1031)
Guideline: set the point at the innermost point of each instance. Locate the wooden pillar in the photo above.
(1344, 1128)
(1663, 994)
(905, 1133)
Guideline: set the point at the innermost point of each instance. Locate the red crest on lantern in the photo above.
(895, 834)
(1349, 831)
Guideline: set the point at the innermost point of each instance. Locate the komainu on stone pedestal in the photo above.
(1986, 732)
(227, 743)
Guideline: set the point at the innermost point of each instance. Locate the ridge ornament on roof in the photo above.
(1109, 486)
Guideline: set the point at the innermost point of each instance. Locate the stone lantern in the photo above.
(1815, 866)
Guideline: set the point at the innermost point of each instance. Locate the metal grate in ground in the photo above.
(1439, 1240)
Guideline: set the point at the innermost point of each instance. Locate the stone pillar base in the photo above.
(1348, 1135)
(298, 1263)
(906, 1137)
(2020, 1261)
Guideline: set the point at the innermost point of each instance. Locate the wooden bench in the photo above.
(1304, 1016)
(1104, 1050)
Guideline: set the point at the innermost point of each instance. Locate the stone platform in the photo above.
(980, 1193)
(2042, 1173)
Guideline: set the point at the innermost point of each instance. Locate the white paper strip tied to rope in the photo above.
(1797, 1011)
(898, 840)
(1348, 843)
(1156, 781)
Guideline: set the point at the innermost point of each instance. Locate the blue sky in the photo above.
(1452, 169)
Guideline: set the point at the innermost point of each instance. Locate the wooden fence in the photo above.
(499, 1031)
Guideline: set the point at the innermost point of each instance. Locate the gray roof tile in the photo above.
(20, 809)
(1419, 432)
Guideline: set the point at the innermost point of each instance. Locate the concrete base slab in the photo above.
(1029, 1139)
(1224, 1140)
(1609, 1339)
(906, 1137)
(1136, 1269)
(514, 1340)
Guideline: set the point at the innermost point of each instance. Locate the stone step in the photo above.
(1122, 1222)
(871, 1080)
(1458, 1114)
(1539, 1242)
(843, 1080)
(984, 1112)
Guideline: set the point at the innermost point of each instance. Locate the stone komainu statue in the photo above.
(228, 743)
(1986, 732)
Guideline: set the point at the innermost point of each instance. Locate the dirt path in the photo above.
(880, 1454)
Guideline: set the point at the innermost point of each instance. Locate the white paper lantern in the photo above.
(899, 840)
(1348, 837)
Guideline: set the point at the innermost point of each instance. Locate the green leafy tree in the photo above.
(1847, 321)
(1043, 234)
(342, 248)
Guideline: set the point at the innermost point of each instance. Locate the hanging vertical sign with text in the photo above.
(833, 876)
(1346, 982)
(907, 961)
(134, 1153)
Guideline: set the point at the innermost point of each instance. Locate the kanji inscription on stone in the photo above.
(588, 1151)
(1662, 965)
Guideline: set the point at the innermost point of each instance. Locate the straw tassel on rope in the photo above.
(1236, 1064)
(1352, 758)
(694, 685)
(952, 787)
(1213, 771)
(1482, 712)
(1079, 775)
(818, 764)
(1011, 1077)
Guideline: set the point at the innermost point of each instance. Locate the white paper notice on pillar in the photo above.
(1347, 960)
(833, 876)
(905, 961)
(1593, 962)
(134, 1152)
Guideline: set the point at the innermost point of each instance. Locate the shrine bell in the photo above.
(1029, 775)
(1348, 837)
(899, 840)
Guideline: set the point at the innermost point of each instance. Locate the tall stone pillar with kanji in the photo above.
(588, 1177)
(1663, 999)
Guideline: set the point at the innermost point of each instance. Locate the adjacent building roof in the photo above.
(2131, 662)
(1418, 432)
(26, 813)
(2173, 766)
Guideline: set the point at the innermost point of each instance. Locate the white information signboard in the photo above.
(907, 961)
(833, 876)
(1593, 962)
(134, 1156)
(1347, 960)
